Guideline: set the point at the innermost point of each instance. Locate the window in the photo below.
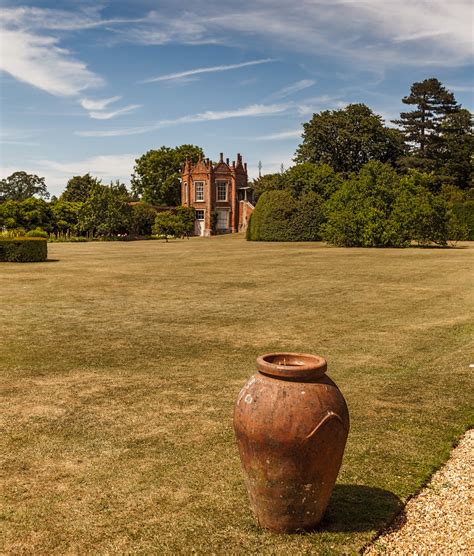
(222, 191)
(185, 193)
(199, 215)
(199, 191)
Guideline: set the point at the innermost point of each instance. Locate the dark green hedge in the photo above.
(278, 216)
(465, 216)
(23, 250)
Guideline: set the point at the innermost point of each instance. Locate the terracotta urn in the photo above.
(291, 423)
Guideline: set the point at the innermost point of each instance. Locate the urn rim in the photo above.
(292, 365)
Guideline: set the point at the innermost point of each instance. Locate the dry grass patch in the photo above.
(121, 363)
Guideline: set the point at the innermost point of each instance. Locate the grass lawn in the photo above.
(120, 364)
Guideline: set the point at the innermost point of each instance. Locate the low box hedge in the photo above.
(23, 249)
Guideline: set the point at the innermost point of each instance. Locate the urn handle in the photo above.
(328, 417)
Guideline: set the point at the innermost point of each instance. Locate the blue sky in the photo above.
(88, 86)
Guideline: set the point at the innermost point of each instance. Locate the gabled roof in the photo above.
(221, 168)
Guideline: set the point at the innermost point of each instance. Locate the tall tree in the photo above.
(456, 156)
(107, 211)
(422, 126)
(35, 213)
(347, 139)
(156, 177)
(20, 186)
(78, 188)
(66, 215)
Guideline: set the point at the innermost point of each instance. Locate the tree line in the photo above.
(90, 209)
(357, 181)
(87, 208)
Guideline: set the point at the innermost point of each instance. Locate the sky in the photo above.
(89, 86)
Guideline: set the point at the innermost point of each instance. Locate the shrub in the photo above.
(38, 232)
(464, 214)
(305, 223)
(142, 219)
(271, 217)
(23, 250)
(377, 208)
(187, 216)
(278, 216)
(167, 225)
(13, 232)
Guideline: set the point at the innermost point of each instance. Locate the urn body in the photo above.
(291, 423)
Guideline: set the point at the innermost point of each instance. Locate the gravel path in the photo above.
(439, 520)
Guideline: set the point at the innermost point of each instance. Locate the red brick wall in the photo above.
(205, 171)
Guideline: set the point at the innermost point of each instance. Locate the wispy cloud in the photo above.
(293, 88)
(119, 112)
(57, 173)
(107, 167)
(20, 137)
(358, 31)
(282, 135)
(461, 88)
(40, 62)
(54, 19)
(198, 71)
(97, 104)
(254, 110)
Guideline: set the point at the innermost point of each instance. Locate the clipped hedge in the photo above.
(278, 216)
(465, 216)
(23, 249)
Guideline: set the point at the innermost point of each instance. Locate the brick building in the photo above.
(218, 191)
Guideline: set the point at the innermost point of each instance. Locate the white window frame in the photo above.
(203, 215)
(222, 184)
(201, 184)
(186, 193)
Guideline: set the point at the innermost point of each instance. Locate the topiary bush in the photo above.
(305, 222)
(271, 218)
(23, 250)
(278, 216)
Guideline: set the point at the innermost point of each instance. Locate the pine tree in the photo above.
(457, 153)
(422, 126)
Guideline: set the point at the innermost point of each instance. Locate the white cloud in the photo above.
(293, 88)
(282, 135)
(368, 32)
(97, 104)
(106, 167)
(210, 115)
(40, 62)
(212, 69)
(461, 88)
(60, 20)
(115, 113)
